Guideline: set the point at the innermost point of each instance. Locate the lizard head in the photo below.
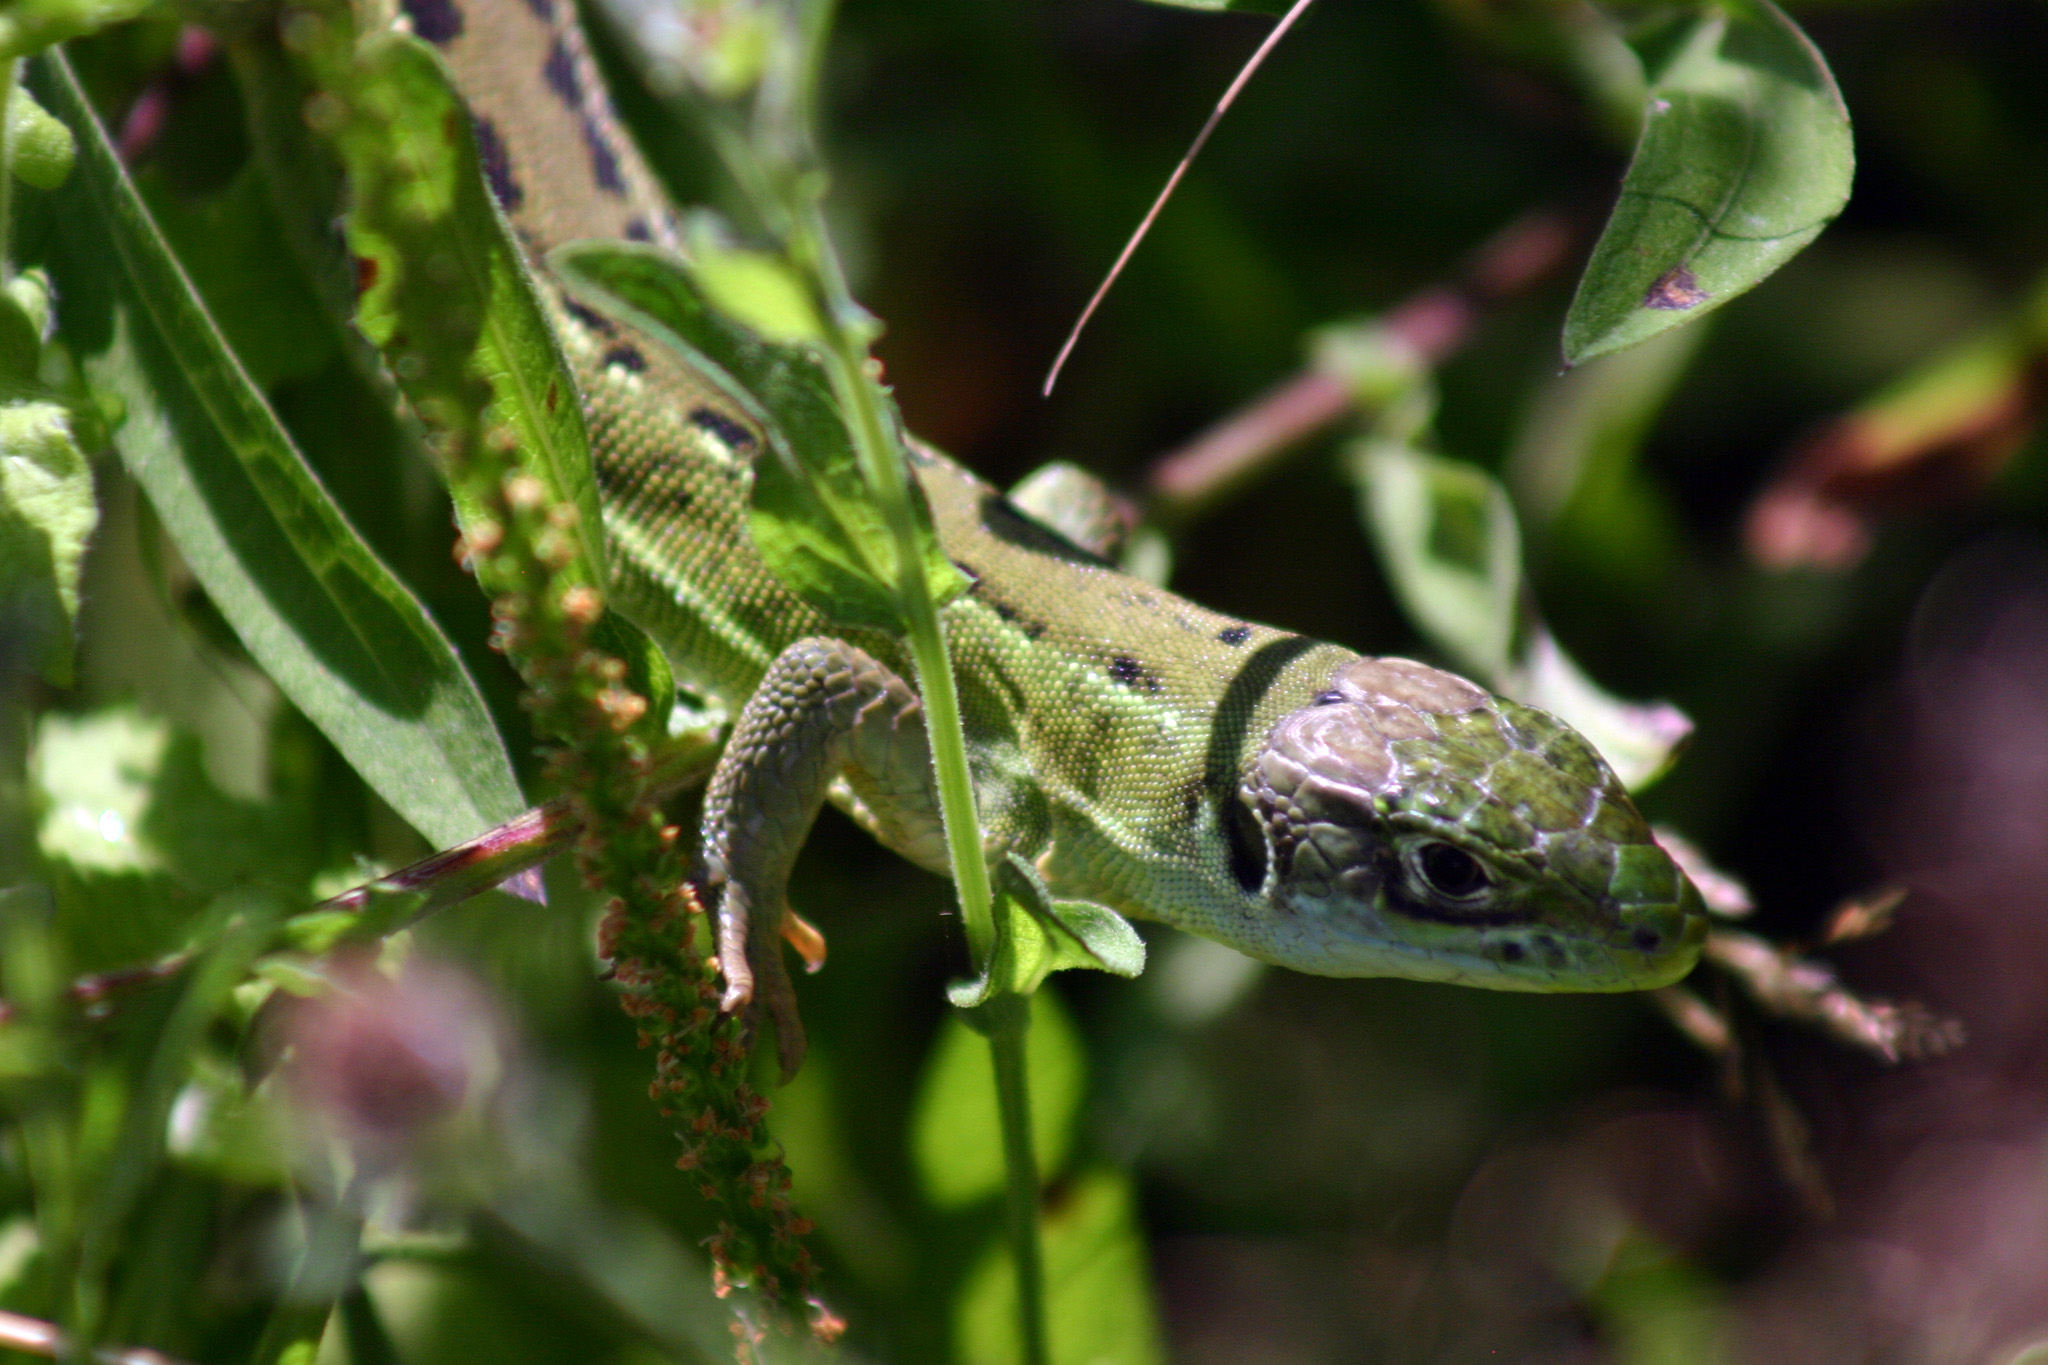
(1407, 823)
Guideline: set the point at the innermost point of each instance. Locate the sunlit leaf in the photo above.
(1447, 538)
(137, 837)
(955, 1136)
(1745, 155)
(757, 291)
(42, 146)
(338, 633)
(814, 519)
(1639, 740)
(46, 514)
(1099, 1304)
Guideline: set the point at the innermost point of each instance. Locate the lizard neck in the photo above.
(559, 163)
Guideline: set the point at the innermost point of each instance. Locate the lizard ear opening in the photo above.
(1246, 843)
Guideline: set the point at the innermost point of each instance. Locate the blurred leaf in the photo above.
(239, 925)
(1745, 156)
(757, 291)
(1447, 538)
(46, 514)
(1099, 1305)
(137, 836)
(1657, 1308)
(26, 26)
(1949, 425)
(337, 632)
(1037, 936)
(1581, 437)
(42, 147)
(955, 1136)
(814, 519)
(1639, 740)
(445, 293)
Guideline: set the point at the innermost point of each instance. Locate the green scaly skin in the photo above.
(1339, 815)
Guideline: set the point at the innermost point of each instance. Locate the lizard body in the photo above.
(1330, 812)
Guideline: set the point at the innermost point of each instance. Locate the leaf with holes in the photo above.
(1448, 540)
(1745, 155)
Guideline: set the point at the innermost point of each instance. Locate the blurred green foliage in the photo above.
(1240, 1165)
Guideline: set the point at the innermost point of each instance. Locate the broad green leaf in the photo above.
(1745, 155)
(1099, 1304)
(1639, 740)
(338, 633)
(1447, 538)
(955, 1135)
(1037, 936)
(46, 514)
(446, 292)
(42, 147)
(814, 519)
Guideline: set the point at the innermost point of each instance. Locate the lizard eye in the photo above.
(1449, 871)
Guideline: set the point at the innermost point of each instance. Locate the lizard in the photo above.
(1327, 811)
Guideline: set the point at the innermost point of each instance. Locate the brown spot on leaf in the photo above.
(1675, 291)
(366, 274)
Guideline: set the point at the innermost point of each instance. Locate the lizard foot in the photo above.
(756, 980)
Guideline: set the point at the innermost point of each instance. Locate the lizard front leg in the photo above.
(824, 710)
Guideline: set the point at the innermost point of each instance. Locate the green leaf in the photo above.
(338, 633)
(42, 146)
(27, 26)
(1639, 740)
(1099, 1304)
(814, 519)
(46, 514)
(1447, 538)
(447, 293)
(758, 291)
(955, 1134)
(1745, 155)
(1037, 936)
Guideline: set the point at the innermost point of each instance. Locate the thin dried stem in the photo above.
(1244, 75)
(1794, 987)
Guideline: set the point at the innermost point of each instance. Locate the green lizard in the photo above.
(1337, 814)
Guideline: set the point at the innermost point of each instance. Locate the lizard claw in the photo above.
(803, 936)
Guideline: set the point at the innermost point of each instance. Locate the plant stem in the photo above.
(883, 466)
(1008, 1014)
(1009, 1017)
